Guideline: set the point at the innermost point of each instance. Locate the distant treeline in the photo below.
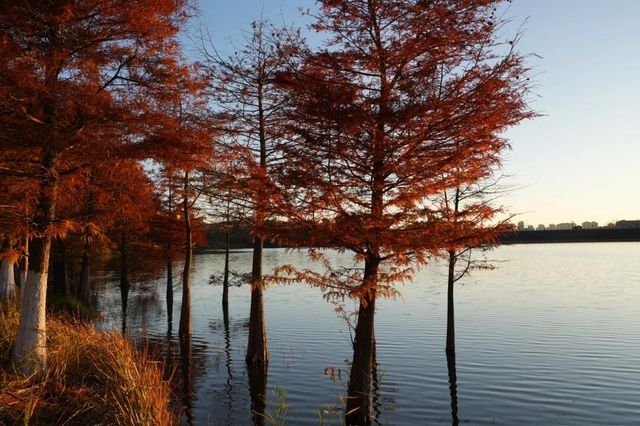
(240, 236)
(572, 236)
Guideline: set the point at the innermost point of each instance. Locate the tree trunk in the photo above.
(185, 311)
(359, 391)
(257, 349)
(58, 284)
(84, 290)
(169, 295)
(225, 281)
(228, 358)
(451, 327)
(30, 348)
(124, 280)
(7, 280)
(24, 264)
(7, 275)
(376, 404)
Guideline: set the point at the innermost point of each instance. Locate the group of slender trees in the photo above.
(377, 143)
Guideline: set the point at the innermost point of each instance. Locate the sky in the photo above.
(580, 160)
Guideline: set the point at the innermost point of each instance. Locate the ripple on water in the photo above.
(551, 337)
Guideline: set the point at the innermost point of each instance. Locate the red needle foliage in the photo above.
(404, 96)
(78, 80)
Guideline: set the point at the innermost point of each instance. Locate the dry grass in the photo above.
(92, 378)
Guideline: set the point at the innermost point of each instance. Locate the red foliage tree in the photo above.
(76, 79)
(250, 108)
(183, 145)
(404, 93)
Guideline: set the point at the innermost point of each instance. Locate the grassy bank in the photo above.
(92, 378)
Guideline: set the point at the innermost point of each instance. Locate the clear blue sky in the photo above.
(581, 160)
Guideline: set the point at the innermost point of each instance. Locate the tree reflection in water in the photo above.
(453, 386)
(186, 368)
(257, 393)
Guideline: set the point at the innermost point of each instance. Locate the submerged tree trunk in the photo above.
(228, 358)
(124, 280)
(376, 404)
(30, 348)
(169, 295)
(225, 280)
(185, 310)
(358, 410)
(257, 349)
(451, 332)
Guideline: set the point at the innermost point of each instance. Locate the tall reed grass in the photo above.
(92, 378)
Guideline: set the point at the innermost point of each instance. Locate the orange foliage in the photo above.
(408, 99)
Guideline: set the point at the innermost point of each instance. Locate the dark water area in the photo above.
(551, 337)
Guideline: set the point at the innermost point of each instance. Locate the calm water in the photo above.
(552, 337)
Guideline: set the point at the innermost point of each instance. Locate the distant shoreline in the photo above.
(572, 236)
(241, 239)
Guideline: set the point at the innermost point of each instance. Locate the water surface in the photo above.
(551, 337)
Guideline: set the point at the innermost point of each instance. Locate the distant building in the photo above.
(551, 227)
(565, 226)
(628, 224)
(521, 225)
(541, 227)
(530, 228)
(589, 225)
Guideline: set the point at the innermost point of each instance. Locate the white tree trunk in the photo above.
(30, 350)
(7, 280)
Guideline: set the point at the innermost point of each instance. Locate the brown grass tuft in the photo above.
(91, 378)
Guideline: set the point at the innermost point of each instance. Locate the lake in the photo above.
(551, 337)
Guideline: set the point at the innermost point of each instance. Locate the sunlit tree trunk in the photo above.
(359, 390)
(185, 311)
(30, 348)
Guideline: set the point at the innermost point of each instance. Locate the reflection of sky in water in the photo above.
(551, 337)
